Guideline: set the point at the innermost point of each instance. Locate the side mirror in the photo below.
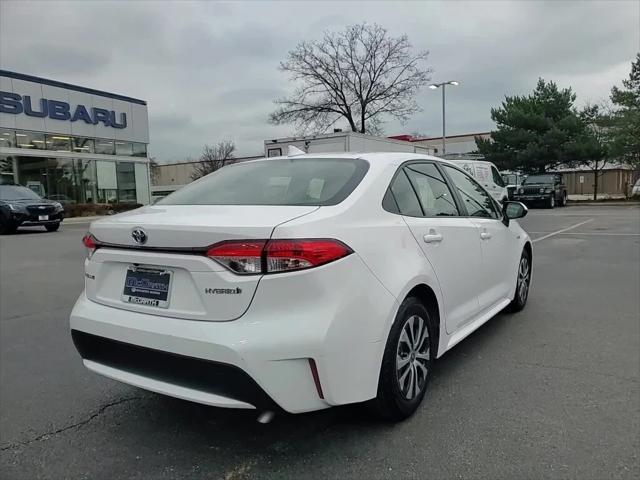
(513, 210)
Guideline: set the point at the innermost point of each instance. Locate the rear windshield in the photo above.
(539, 179)
(305, 181)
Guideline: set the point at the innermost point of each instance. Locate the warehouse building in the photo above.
(71, 143)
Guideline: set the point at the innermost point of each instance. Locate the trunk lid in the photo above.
(176, 238)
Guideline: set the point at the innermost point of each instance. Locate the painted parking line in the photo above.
(549, 235)
(592, 234)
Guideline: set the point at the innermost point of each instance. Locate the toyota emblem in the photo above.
(139, 236)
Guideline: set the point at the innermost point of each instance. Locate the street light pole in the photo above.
(444, 135)
(442, 85)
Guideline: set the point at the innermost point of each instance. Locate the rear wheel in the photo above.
(563, 199)
(407, 362)
(52, 228)
(522, 285)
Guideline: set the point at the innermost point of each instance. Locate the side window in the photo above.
(497, 178)
(405, 197)
(477, 201)
(434, 194)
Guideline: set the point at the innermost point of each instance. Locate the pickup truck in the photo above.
(546, 189)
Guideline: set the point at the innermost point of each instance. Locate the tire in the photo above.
(52, 228)
(521, 294)
(397, 398)
(7, 227)
(563, 200)
(551, 203)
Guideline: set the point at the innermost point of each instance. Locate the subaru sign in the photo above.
(14, 103)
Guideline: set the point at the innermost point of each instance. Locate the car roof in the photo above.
(377, 158)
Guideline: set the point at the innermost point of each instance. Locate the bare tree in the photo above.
(214, 158)
(360, 76)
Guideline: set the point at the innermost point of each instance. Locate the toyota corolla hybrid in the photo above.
(301, 282)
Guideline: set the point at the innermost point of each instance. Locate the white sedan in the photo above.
(300, 283)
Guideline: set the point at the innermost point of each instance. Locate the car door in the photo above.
(496, 240)
(449, 241)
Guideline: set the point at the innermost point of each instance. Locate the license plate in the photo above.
(43, 217)
(147, 286)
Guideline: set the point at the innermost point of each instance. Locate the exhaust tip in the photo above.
(265, 417)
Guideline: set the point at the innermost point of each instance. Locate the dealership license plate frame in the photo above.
(145, 296)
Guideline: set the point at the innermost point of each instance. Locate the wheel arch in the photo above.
(529, 249)
(429, 299)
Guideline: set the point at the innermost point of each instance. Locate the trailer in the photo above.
(341, 142)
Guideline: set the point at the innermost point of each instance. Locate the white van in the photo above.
(487, 175)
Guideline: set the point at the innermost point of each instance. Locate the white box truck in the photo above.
(341, 142)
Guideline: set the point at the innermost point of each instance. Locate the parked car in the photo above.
(300, 283)
(21, 206)
(487, 175)
(635, 190)
(547, 189)
(64, 200)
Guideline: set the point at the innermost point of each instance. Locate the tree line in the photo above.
(544, 130)
(362, 76)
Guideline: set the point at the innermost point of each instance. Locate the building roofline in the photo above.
(69, 86)
(450, 136)
(191, 162)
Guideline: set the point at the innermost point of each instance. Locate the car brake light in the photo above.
(90, 242)
(274, 256)
(287, 255)
(239, 256)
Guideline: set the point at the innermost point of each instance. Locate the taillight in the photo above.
(239, 256)
(273, 256)
(287, 255)
(90, 242)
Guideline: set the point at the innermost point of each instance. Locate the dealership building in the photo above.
(71, 143)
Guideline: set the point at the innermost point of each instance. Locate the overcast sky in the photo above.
(208, 70)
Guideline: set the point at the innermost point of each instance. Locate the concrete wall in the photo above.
(454, 144)
(174, 174)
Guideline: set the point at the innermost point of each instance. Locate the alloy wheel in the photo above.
(412, 357)
(524, 277)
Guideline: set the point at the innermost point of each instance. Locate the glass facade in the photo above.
(75, 180)
(64, 143)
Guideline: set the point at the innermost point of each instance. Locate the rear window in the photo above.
(303, 181)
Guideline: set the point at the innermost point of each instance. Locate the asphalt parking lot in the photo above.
(550, 392)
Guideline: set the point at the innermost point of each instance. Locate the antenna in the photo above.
(294, 151)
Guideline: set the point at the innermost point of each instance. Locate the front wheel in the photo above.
(551, 203)
(7, 226)
(406, 364)
(52, 228)
(522, 285)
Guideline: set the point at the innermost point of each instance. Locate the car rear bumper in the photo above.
(293, 318)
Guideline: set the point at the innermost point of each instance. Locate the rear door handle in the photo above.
(432, 238)
(485, 235)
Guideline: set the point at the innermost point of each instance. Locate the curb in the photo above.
(601, 204)
(74, 220)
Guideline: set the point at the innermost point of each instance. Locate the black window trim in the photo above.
(462, 212)
(462, 208)
(457, 194)
(415, 189)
